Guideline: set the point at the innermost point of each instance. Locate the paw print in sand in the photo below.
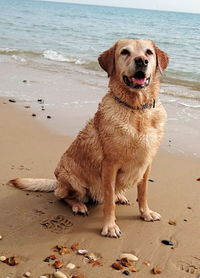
(57, 224)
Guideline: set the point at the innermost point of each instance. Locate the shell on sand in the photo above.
(129, 256)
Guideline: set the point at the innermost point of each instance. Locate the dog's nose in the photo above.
(141, 62)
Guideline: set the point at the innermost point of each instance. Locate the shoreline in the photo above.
(29, 149)
(71, 98)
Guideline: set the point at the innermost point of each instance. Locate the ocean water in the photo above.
(73, 33)
(66, 39)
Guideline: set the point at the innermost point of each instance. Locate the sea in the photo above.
(69, 37)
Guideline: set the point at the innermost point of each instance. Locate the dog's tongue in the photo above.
(138, 81)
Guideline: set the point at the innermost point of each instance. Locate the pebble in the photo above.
(43, 276)
(59, 274)
(151, 180)
(2, 258)
(167, 242)
(12, 100)
(82, 252)
(173, 223)
(71, 266)
(27, 274)
(1, 237)
(48, 117)
(33, 115)
(126, 272)
(117, 266)
(24, 81)
(130, 257)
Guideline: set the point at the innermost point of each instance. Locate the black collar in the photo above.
(142, 107)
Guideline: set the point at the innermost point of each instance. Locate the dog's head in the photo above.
(134, 62)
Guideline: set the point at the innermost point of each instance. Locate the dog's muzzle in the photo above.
(137, 81)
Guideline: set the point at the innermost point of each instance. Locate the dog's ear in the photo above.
(107, 60)
(162, 59)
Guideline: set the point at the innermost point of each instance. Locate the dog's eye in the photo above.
(149, 52)
(125, 52)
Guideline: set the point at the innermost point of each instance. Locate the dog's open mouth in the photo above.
(137, 81)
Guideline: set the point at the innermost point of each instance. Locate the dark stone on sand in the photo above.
(126, 272)
(151, 180)
(12, 100)
(33, 115)
(24, 81)
(48, 117)
(40, 100)
(167, 242)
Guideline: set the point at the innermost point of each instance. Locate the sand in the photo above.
(29, 150)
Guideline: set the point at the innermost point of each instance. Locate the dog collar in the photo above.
(142, 107)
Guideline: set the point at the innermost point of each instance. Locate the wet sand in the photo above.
(32, 223)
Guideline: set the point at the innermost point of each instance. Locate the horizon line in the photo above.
(126, 7)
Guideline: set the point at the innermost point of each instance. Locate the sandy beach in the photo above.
(33, 223)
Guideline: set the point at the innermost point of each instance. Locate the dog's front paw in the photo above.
(111, 230)
(150, 216)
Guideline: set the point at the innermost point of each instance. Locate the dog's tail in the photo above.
(45, 185)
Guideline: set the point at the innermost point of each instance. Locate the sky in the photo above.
(169, 5)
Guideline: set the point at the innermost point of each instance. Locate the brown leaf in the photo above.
(125, 262)
(58, 264)
(156, 270)
(95, 263)
(117, 266)
(75, 246)
(64, 250)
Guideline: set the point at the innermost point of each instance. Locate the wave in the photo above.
(176, 84)
(13, 51)
(56, 56)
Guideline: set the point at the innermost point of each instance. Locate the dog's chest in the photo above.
(140, 136)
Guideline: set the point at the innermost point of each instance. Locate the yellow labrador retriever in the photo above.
(116, 148)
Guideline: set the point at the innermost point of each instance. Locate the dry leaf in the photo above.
(58, 264)
(95, 263)
(125, 262)
(64, 250)
(156, 270)
(75, 246)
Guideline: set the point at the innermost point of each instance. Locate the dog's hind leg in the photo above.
(120, 199)
(78, 207)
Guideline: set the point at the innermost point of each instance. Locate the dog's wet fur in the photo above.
(116, 148)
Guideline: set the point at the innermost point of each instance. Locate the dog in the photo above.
(116, 148)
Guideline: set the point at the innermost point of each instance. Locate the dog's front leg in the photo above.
(109, 172)
(146, 213)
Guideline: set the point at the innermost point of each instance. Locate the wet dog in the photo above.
(116, 148)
